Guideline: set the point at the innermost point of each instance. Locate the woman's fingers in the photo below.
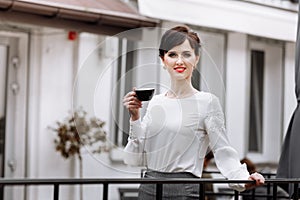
(258, 178)
(133, 105)
(131, 101)
(128, 95)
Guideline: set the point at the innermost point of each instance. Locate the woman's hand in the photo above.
(131, 102)
(259, 180)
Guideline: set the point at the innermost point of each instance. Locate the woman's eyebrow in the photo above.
(186, 51)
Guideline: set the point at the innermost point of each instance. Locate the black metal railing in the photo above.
(56, 183)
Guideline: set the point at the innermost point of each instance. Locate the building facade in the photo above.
(59, 56)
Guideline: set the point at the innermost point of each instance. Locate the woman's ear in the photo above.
(197, 60)
(162, 60)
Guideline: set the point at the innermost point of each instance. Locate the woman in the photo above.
(180, 124)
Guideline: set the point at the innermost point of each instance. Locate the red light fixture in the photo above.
(72, 35)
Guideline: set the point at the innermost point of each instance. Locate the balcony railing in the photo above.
(56, 183)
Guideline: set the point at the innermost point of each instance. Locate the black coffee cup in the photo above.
(144, 94)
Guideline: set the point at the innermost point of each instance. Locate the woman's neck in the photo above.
(181, 90)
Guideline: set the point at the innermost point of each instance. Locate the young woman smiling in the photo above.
(180, 125)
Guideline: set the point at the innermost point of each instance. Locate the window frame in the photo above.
(272, 98)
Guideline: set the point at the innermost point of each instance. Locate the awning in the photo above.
(229, 15)
(97, 16)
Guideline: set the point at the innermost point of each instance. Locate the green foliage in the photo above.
(78, 131)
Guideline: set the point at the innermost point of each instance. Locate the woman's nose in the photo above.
(179, 61)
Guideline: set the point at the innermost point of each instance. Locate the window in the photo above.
(265, 100)
(123, 82)
(256, 101)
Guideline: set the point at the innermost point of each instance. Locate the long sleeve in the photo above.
(226, 157)
(133, 151)
(134, 147)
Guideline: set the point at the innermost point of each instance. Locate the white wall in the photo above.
(213, 67)
(235, 16)
(53, 62)
(148, 62)
(237, 86)
(50, 91)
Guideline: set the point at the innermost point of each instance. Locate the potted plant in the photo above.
(77, 131)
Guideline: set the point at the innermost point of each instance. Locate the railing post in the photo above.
(105, 191)
(269, 187)
(296, 191)
(274, 191)
(159, 191)
(201, 191)
(1, 190)
(268, 190)
(56, 191)
(236, 195)
(253, 194)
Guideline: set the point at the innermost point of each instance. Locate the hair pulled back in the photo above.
(176, 36)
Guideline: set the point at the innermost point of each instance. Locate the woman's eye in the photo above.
(172, 55)
(186, 55)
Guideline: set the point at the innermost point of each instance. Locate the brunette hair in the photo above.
(208, 157)
(250, 165)
(176, 36)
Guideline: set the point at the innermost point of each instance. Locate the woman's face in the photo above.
(180, 61)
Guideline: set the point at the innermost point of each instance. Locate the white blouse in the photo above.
(176, 133)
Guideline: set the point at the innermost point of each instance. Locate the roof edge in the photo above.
(77, 14)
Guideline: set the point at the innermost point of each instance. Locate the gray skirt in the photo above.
(180, 191)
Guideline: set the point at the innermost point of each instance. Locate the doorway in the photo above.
(13, 96)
